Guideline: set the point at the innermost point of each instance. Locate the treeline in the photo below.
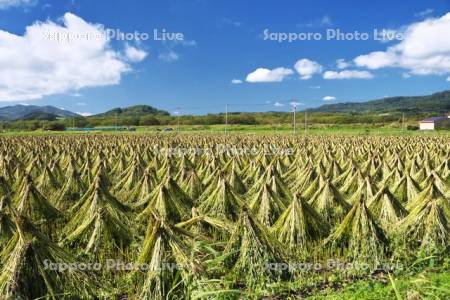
(267, 118)
(438, 103)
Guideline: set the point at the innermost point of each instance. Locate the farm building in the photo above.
(435, 123)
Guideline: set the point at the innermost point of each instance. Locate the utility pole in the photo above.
(403, 121)
(294, 109)
(178, 119)
(306, 122)
(226, 117)
(295, 125)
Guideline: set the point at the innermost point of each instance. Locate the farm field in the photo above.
(215, 216)
(283, 129)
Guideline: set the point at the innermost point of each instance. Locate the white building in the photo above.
(435, 123)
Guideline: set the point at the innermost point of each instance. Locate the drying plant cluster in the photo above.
(213, 224)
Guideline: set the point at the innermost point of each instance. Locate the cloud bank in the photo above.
(39, 64)
(425, 50)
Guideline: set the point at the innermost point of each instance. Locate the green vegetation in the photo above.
(425, 285)
(135, 111)
(39, 115)
(387, 112)
(438, 103)
(17, 112)
(269, 121)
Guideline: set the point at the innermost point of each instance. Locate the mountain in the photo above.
(133, 111)
(15, 112)
(438, 103)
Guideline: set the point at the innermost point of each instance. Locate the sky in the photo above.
(198, 56)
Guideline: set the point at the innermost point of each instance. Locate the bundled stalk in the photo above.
(236, 183)
(300, 226)
(387, 210)
(222, 203)
(5, 189)
(405, 190)
(7, 227)
(193, 186)
(47, 183)
(358, 237)
(71, 191)
(100, 226)
(267, 206)
(166, 203)
(206, 227)
(252, 250)
(166, 253)
(32, 204)
(26, 273)
(329, 203)
(427, 224)
(129, 179)
(143, 188)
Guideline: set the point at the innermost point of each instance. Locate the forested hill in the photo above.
(438, 103)
(133, 111)
(17, 112)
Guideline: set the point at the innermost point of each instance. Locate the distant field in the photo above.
(362, 129)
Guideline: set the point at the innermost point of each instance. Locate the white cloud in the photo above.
(170, 53)
(320, 22)
(329, 98)
(133, 54)
(266, 75)
(406, 75)
(85, 114)
(326, 20)
(376, 60)
(307, 68)
(236, 81)
(81, 103)
(169, 56)
(315, 87)
(425, 49)
(348, 74)
(424, 13)
(295, 103)
(279, 104)
(37, 64)
(4, 4)
(342, 64)
(187, 43)
(228, 21)
(448, 78)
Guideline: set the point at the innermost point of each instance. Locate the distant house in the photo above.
(435, 123)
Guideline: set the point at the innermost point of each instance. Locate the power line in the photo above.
(306, 122)
(188, 108)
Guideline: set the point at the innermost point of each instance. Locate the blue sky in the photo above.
(223, 43)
